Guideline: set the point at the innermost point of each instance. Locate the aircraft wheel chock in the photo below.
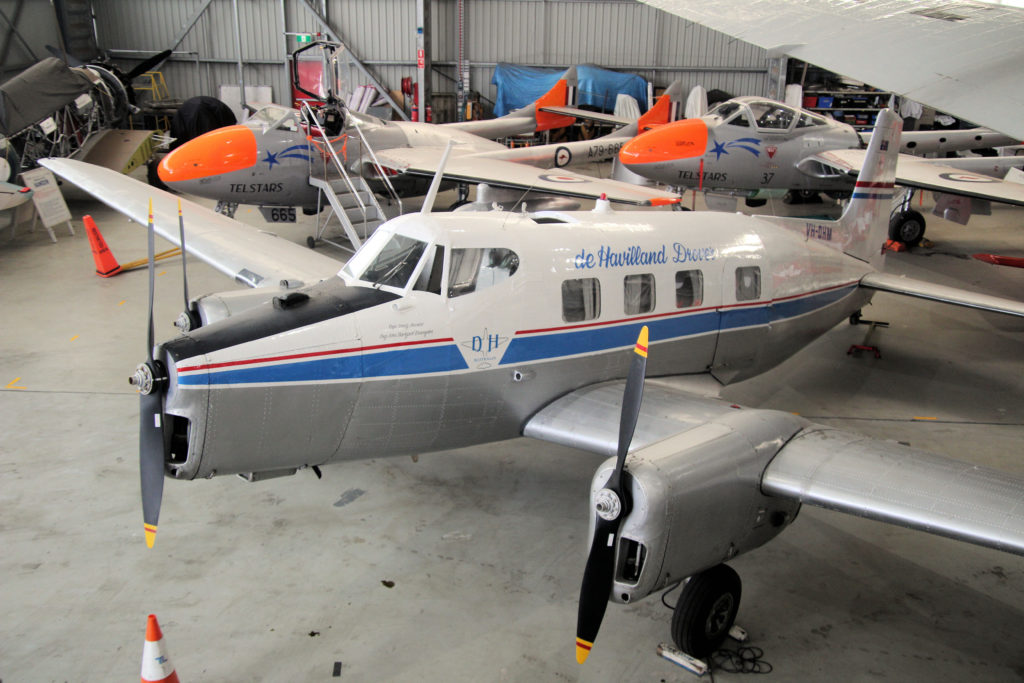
(706, 610)
(907, 227)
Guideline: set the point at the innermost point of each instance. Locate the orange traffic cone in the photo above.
(156, 664)
(106, 264)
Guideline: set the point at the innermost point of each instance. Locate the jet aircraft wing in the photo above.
(468, 168)
(578, 113)
(816, 465)
(240, 251)
(973, 50)
(939, 175)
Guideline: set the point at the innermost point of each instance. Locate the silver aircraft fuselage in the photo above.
(446, 333)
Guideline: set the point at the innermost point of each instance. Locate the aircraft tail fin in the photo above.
(864, 224)
(666, 109)
(563, 94)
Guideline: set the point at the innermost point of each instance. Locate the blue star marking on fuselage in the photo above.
(719, 150)
(271, 159)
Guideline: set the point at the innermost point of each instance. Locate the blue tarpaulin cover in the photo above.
(518, 86)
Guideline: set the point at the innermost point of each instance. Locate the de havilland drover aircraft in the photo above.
(454, 329)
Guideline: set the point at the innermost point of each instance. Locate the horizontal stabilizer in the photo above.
(897, 284)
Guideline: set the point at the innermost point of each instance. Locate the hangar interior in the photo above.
(463, 564)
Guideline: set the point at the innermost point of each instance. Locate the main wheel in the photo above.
(706, 610)
(907, 227)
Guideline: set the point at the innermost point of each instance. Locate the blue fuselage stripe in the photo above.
(389, 363)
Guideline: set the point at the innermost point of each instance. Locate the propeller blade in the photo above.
(149, 382)
(612, 505)
(151, 460)
(147, 65)
(181, 233)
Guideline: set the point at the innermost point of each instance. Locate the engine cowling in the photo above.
(697, 500)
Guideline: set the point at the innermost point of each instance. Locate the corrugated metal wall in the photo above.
(35, 24)
(617, 34)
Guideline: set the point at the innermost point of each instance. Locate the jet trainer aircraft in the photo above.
(749, 144)
(454, 329)
(269, 159)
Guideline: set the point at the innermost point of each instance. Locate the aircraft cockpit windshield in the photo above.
(731, 113)
(273, 117)
(772, 115)
(389, 261)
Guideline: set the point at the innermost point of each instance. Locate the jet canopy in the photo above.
(764, 115)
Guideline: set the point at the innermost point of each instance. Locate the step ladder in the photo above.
(353, 204)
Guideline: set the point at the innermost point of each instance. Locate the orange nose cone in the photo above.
(678, 140)
(232, 148)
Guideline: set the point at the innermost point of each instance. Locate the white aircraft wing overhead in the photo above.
(960, 57)
(240, 251)
(499, 173)
(933, 174)
(816, 465)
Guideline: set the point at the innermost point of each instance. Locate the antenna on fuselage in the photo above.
(428, 203)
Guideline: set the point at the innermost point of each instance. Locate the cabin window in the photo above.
(475, 269)
(689, 288)
(739, 120)
(581, 299)
(430, 277)
(748, 283)
(638, 292)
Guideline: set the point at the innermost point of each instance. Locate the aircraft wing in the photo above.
(972, 50)
(467, 168)
(814, 464)
(240, 251)
(939, 175)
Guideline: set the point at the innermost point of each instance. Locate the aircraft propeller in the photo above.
(150, 379)
(613, 503)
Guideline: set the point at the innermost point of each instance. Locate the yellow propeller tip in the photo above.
(641, 342)
(582, 650)
(150, 535)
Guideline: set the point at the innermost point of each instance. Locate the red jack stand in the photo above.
(855, 319)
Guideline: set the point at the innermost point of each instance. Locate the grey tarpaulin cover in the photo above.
(37, 92)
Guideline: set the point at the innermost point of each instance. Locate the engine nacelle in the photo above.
(697, 500)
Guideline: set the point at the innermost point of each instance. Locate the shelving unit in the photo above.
(857, 106)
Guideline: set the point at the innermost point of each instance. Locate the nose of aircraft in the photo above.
(683, 139)
(227, 149)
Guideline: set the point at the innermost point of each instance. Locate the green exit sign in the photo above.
(304, 38)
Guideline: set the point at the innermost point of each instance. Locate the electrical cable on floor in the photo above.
(746, 659)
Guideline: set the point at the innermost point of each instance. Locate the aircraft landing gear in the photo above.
(706, 610)
(907, 226)
(226, 208)
(801, 197)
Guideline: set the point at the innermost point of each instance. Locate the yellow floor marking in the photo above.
(12, 383)
(74, 338)
(162, 272)
(918, 417)
(122, 302)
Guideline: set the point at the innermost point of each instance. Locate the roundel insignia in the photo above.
(562, 157)
(967, 178)
(555, 178)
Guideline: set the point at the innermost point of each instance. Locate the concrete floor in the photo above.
(466, 564)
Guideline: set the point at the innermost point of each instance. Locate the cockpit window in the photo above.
(475, 269)
(392, 265)
(273, 117)
(806, 121)
(772, 115)
(724, 110)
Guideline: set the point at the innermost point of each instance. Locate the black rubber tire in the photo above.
(706, 610)
(907, 227)
(13, 165)
(310, 242)
(754, 202)
(792, 197)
